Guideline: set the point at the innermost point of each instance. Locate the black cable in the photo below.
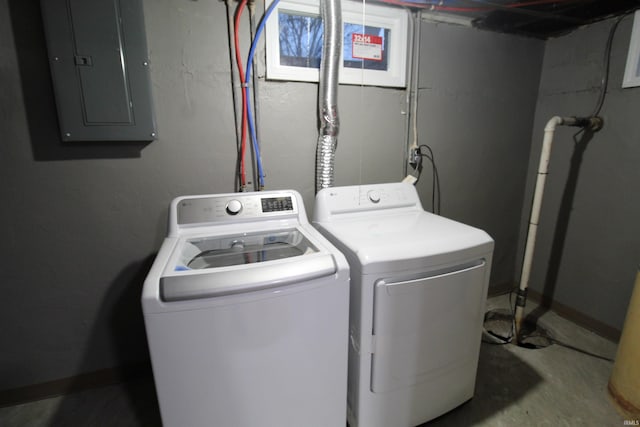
(508, 339)
(435, 183)
(575, 135)
(607, 63)
(502, 339)
(513, 312)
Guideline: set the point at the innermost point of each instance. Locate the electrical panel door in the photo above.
(100, 69)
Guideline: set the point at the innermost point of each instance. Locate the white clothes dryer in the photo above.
(246, 313)
(418, 291)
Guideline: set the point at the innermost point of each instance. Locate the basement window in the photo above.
(632, 69)
(374, 45)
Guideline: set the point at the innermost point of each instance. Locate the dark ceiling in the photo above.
(552, 19)
(536, 18)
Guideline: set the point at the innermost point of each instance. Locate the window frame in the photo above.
(392, 18)
(632, 67)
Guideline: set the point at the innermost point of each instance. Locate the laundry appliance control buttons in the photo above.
(234, 207)
(374, 196)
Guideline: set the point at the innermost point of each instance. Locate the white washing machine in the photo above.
(418, 290)
(246, 313)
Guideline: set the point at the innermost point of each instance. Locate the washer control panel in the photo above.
(277, 204)
(232, 207)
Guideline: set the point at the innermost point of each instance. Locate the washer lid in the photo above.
(207, 266)
(215, 252)
(374, 239)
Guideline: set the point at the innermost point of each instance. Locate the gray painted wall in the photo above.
(588, 244)
(83, 221)
(476, 105)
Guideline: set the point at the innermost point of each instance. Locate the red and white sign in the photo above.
(366, 46)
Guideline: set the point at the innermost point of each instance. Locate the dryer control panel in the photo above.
(365, 198)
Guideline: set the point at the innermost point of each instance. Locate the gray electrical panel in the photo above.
(100, 69)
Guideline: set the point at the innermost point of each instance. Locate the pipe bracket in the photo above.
(521, 297)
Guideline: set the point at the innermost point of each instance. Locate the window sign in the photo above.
(366, 47)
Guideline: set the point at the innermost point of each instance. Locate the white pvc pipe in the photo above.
(543, 168)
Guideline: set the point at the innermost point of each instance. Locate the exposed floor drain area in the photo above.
(499, 329)
(534, 336)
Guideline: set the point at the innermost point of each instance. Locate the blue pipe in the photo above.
(252, 131)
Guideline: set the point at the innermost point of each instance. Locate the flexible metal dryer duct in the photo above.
(331, 13)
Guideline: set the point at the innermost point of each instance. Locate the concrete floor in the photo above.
(553, 386)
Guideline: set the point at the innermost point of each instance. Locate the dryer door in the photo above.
(426, 326)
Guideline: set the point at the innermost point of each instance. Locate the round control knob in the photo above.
(374, 196)
(234, 207)
(237, 245)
